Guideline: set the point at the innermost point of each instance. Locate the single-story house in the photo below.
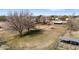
(59, 21)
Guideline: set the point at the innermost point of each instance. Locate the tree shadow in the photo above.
(33, 32)
(70, 42)
(2, 41)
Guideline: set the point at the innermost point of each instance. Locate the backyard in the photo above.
(44, 37)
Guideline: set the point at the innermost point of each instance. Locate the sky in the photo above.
(43, 11)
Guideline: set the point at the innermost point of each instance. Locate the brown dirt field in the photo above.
(45, 41)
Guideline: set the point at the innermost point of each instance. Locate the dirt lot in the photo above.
(46, 40)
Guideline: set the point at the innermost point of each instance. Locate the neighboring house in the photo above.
(59, 21)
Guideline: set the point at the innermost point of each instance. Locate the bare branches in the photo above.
(73, 25)
(20, 21)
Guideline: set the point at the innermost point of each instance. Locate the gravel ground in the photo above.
(65, 46)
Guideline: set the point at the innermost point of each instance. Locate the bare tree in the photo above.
(38, 19)
(63, 18)
(28, 21)
(72, 24)
(20, 21)
(15, 22)
(43, 19)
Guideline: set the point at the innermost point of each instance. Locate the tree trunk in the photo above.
(20, 33)
(28, 30)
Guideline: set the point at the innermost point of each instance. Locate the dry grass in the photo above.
(45, 40)
(74, 34)
(65, 46)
